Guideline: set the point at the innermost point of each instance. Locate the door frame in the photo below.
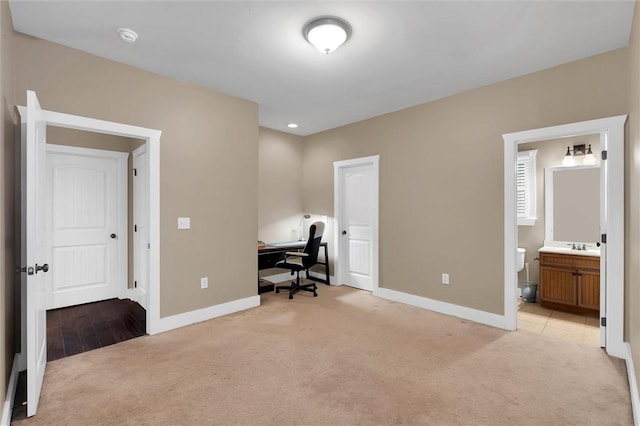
(339, 168)
(611, 132)
(121, 228)
(152, 141)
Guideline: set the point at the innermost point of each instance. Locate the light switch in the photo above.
(184, 223)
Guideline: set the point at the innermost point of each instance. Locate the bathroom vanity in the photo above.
(570, 280)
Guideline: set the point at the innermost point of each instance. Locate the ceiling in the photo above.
(401, 53)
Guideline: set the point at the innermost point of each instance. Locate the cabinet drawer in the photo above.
(570, 261)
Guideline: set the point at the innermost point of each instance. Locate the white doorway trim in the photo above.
(338, 168)
(152, 140)
(611, 131)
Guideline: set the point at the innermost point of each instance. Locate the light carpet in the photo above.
(343, 358)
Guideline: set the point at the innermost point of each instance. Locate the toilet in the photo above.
(528, 288)
(520, 261)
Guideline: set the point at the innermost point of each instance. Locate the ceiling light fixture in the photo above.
(127, 35)
(327, 33)
(292, 125)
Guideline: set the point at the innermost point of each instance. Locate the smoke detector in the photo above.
(127, 35)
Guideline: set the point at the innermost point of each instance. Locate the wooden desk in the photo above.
(273, 253)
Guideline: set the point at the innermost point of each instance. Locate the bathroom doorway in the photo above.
(610, 132)
(558, 215)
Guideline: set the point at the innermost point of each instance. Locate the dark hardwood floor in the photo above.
(82, 328)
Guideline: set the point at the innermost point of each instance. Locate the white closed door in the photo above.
(356, 233)
(84, 231)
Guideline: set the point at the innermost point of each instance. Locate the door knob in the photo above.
(113, 236)
(43, 268)
(344, 232)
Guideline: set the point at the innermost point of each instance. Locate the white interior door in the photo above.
(603, 247)
(141, 224)
(34, 243)
(86, 207)
(356, 226)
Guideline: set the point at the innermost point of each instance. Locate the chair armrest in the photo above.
(296, 253)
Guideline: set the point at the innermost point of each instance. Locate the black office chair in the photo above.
(305, 260)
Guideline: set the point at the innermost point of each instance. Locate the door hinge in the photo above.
(148, 245)
(135, 172)
(135, 284)
(603, 321)
(603, 238)
(603, 155)
(135, 228)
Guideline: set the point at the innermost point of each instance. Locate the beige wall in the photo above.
(82, 139)
(8, 295)
(550, 154)
(279, 186)
(632, 198)
(441, 173)
(208, 163)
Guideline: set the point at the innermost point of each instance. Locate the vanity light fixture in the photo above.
(327, 33)
(579, 151)
(127, 35)
(589, 158)
(568, 158)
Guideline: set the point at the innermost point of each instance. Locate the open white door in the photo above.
(141, 224)
(603, 247)
(34, 222)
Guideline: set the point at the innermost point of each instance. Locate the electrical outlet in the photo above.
(204, 282)
(445, 279)
(184, 223)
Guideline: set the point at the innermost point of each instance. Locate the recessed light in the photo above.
(292, 125)
(127, 35)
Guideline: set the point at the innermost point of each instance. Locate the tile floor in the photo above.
(580, 329)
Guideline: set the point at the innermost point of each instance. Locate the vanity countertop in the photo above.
(594, 252)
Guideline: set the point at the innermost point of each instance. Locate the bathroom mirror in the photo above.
(572, 204)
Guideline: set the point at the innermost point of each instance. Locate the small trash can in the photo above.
(529, 290)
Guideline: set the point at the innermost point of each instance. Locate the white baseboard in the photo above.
(187, 318)
(463, 312)
(633, 384)
(7, 409)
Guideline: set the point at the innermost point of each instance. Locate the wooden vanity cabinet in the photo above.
(570, 282)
